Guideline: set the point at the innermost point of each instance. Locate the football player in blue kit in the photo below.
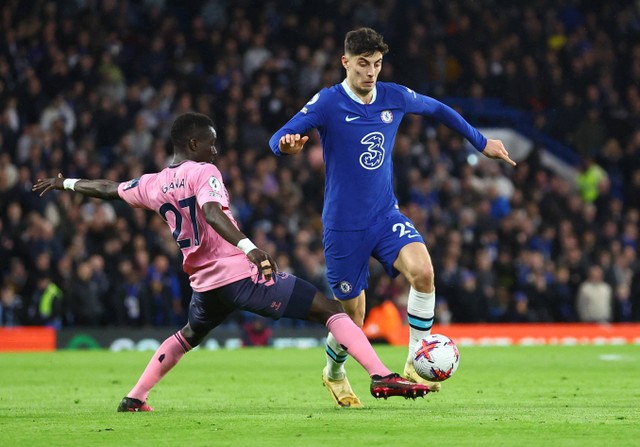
(357, 121)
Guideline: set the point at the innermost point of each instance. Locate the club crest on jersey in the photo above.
(345, 287)
(131, 184)
(386, 116)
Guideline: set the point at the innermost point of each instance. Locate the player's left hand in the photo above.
(44, 185)
(267, 267)
(496, 150)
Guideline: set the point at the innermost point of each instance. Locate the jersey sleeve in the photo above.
(309, 117)
(134, 192)
(209, 187)
(425, 105)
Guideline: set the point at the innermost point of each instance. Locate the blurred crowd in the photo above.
(89, 88)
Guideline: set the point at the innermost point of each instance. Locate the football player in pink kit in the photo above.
(226, 270)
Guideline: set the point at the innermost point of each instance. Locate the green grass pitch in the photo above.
(500, 396)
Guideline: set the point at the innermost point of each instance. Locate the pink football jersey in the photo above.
(178, 193)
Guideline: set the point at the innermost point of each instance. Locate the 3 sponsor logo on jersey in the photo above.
(174, 184)
(373, 157)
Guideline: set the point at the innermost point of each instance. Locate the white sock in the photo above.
(420, 312)
(336, 358)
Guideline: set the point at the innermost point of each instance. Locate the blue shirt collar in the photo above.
(355, 97)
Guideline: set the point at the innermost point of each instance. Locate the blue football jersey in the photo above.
(357, 140)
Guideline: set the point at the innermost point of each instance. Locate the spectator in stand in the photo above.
(163, 293)
(84, 298)
(469, 306)
(130, 297)
(589, 180)
(518, 310)
(45, 307)
(11, 305)
(561, 297)
(594, 302)
(256, 331)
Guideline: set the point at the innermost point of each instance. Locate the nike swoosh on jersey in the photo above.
(348, 118)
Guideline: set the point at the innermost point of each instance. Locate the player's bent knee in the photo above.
(422, 278)
(323, 308)
(333, 307)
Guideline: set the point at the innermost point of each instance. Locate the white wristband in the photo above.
(246, 245)
(70, 183)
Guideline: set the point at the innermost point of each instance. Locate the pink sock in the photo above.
(353, 340)
(168, 354)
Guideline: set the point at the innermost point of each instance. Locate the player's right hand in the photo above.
(44, 185)
(292, 143)
(267, 267)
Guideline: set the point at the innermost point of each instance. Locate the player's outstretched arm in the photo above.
(496, 150)
(225, 228)
(292, 144)
(102, 189)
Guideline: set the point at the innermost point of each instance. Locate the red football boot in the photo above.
(395, 385)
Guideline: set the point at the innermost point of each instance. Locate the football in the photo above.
(436, 358)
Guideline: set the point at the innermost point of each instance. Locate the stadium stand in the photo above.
(89, 88)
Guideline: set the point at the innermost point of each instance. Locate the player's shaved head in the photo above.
(187, 126)
(364, 41)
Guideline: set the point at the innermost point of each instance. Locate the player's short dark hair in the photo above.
(187, 126)
(365, 41)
